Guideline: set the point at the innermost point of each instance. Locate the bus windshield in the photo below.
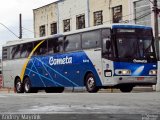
(135, 43)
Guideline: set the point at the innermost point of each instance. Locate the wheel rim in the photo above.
(18, 86)
(27, 86)
(91, 83)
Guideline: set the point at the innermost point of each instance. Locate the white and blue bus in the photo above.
(117, 55)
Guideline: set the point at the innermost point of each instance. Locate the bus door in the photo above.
(107, 55)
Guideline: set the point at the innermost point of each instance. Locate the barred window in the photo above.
(117, 14)
(66, 24)
(80, 21)
(42, 31)
(53, 28)
(98, 18)
(142, 12)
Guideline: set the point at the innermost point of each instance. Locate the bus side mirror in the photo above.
(108, 44)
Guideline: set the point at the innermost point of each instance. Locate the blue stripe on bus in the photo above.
(56, 71)
(37, 72)
(43, 77)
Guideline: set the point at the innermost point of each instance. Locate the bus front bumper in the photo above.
(119, 80)
(151, 80)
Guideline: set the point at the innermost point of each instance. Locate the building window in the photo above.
(53, 28)
(66, 25)
(142, 12)
(98, 18)
(80, 21)
(117, 14)
(42, 30)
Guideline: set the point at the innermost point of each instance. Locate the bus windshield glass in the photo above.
(134, 43)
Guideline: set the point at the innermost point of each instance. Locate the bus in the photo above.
(118, 56)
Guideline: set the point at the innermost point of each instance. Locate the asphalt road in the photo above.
(146, 103)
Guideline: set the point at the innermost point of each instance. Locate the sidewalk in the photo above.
(6, 90)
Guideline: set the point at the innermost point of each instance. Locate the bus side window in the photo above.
(15, 52)
(106, 43)
(91, 39)
(29, 48)
(42, 49)
(5, 55)
(55, 45)
(23, 51)
(72, 42)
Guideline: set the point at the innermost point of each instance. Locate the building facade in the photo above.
(70, 15)
(108, 11)
(142, 12)
(45, 20)
(73, 14)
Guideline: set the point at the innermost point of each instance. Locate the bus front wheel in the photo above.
(19, 86)
(91, 84)
(126, 88)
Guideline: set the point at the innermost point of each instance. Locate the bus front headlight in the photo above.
(153, 72)
(123, 72)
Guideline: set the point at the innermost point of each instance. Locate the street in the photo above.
(81, 103)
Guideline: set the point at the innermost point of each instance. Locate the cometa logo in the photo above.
(139, 61)
(60, 61)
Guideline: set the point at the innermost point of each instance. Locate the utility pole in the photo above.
(156, 32)
(20, 26)
(156, 12)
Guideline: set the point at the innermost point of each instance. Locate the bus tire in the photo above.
(91, 84)
(19, 86)
(54, 90)
(126, 88)
(28, 86)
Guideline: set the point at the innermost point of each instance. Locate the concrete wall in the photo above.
(106, 6)
(69, 9)
(45, 16)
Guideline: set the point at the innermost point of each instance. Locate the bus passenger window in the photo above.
(91, 39)
(107, 47)
(23, 51)
(29, 48)
(15, 52)
(42, 49)
(72, 42)
(5, 55)
(55, 45)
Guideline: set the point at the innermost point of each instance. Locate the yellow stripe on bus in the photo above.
(29, 57)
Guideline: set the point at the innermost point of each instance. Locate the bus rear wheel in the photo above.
(19, 86)
(54, 90)
(28, 86)
(91, 84)
(126, 88)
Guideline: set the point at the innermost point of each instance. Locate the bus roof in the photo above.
(20, 41)
(119, 25)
